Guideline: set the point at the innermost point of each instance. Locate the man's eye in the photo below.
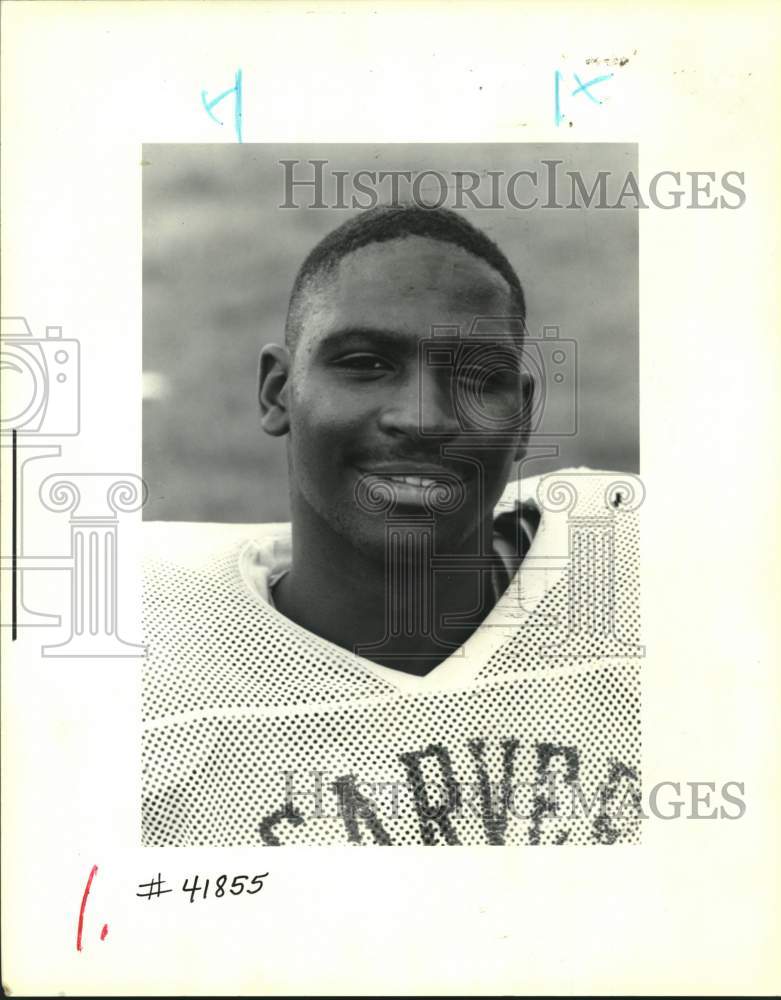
(366, 363)
(487, 378)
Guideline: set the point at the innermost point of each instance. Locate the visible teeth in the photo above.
(422, 482)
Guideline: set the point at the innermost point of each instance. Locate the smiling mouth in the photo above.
(428, 488)
(420, 482)
(419, 475)
(422, 487)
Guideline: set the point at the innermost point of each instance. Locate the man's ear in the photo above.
(527, 387)
(273, 373)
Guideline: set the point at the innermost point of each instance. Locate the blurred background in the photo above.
(219, 260)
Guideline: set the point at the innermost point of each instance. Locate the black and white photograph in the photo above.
(387, 429)
(391, 445)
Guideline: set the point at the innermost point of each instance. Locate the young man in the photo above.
(384, 670)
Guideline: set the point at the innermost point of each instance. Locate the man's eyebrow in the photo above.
(388, 337)
(345, 335)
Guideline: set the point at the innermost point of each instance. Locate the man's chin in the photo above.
(405, 536)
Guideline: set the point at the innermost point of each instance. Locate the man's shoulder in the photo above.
(194, 542)
(560, 490)
(211, 532)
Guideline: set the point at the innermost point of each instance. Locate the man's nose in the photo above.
(421, 406)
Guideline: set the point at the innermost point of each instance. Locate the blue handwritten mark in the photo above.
(558, 116)
(237, 111)
(582, 88)
(585, 87)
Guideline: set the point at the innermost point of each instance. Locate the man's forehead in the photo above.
(410, 283)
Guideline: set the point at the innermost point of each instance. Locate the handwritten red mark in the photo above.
(87, 888)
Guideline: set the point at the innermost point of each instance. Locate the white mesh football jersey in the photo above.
(257, 731)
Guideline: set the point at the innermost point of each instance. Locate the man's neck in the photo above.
(389, 608)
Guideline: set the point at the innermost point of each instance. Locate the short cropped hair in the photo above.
(391, 222)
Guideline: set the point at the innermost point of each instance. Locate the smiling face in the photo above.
(371, 403)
